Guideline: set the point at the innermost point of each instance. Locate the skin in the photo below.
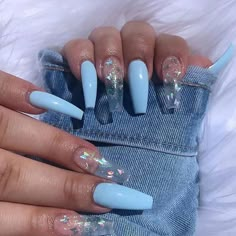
(30, 195)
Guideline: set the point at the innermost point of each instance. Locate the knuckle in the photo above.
(101, 32)
(71, 189)
(41, 223)
(4, 124)
(138, 25)
(9, 176)
(57, 140)
(4, 86)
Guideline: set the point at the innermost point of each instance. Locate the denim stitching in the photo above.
(67, 70)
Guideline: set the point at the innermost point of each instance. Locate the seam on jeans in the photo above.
(179, 148)
(85, 133)
(195, 85)
(67, 70)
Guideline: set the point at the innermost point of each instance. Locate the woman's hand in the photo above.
(133, 53)
(34, 196)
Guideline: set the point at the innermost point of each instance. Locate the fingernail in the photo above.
(77, 225)
(89, 82)
(93, 163)
(138, 83)
(50, 102)
(116, 196)
(172, 70)
(222, 62)
(113, 79)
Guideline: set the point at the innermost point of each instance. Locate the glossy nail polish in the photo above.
(116, 196)
(77, 225)
(89, 82)
(50, 102)
(93, 163)
(113, 79)
(172, 69)
(138, 83)
(222, 62)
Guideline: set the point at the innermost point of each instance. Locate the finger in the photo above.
(15, 93)
(30, 182)
(170, 47)
(109, 63)
(23, 96)
(25, 220)
(138, 40)
(36, 138)
(80, 56)
(171, 62)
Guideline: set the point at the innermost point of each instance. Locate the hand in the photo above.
(134, 53)
(34, 196)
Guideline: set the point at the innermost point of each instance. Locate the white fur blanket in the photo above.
(26, 26)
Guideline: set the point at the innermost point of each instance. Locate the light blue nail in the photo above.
(222, 62)
(50, 102)
(89, 82)
(116, 196)
(138, 83)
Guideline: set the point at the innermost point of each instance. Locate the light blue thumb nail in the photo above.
(221, 63)
(50, 102)
(116, 196)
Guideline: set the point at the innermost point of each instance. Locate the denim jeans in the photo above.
(159, 148)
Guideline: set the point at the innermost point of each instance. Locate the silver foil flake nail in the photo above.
(172, 72)
(113, 79)
(99, 166)
(78, 225)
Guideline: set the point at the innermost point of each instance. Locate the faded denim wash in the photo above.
(159, 148)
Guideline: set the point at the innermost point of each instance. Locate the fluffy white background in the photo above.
(26, 26)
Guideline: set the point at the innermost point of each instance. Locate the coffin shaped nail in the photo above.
(113, 79)
(89, 82)
(138, 83)
(222, 62)
(78, 225)
(50, 102)
(172, 72)
(116, 196)
(95, 164)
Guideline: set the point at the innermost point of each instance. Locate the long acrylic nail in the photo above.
(113, 79)
(220, 64)
(138, 83)
(89, 82)
(116, 196)
(78, 225)
(95, 164)
(50, 102)
(172, 71)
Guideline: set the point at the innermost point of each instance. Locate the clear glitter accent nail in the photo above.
(113, 79)
(77, 225)
(172, 72)
(93, 163)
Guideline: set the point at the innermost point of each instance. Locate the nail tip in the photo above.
(219, 65)
(51, 102)
(120, 197)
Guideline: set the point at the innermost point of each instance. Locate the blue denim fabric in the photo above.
(159, 148)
